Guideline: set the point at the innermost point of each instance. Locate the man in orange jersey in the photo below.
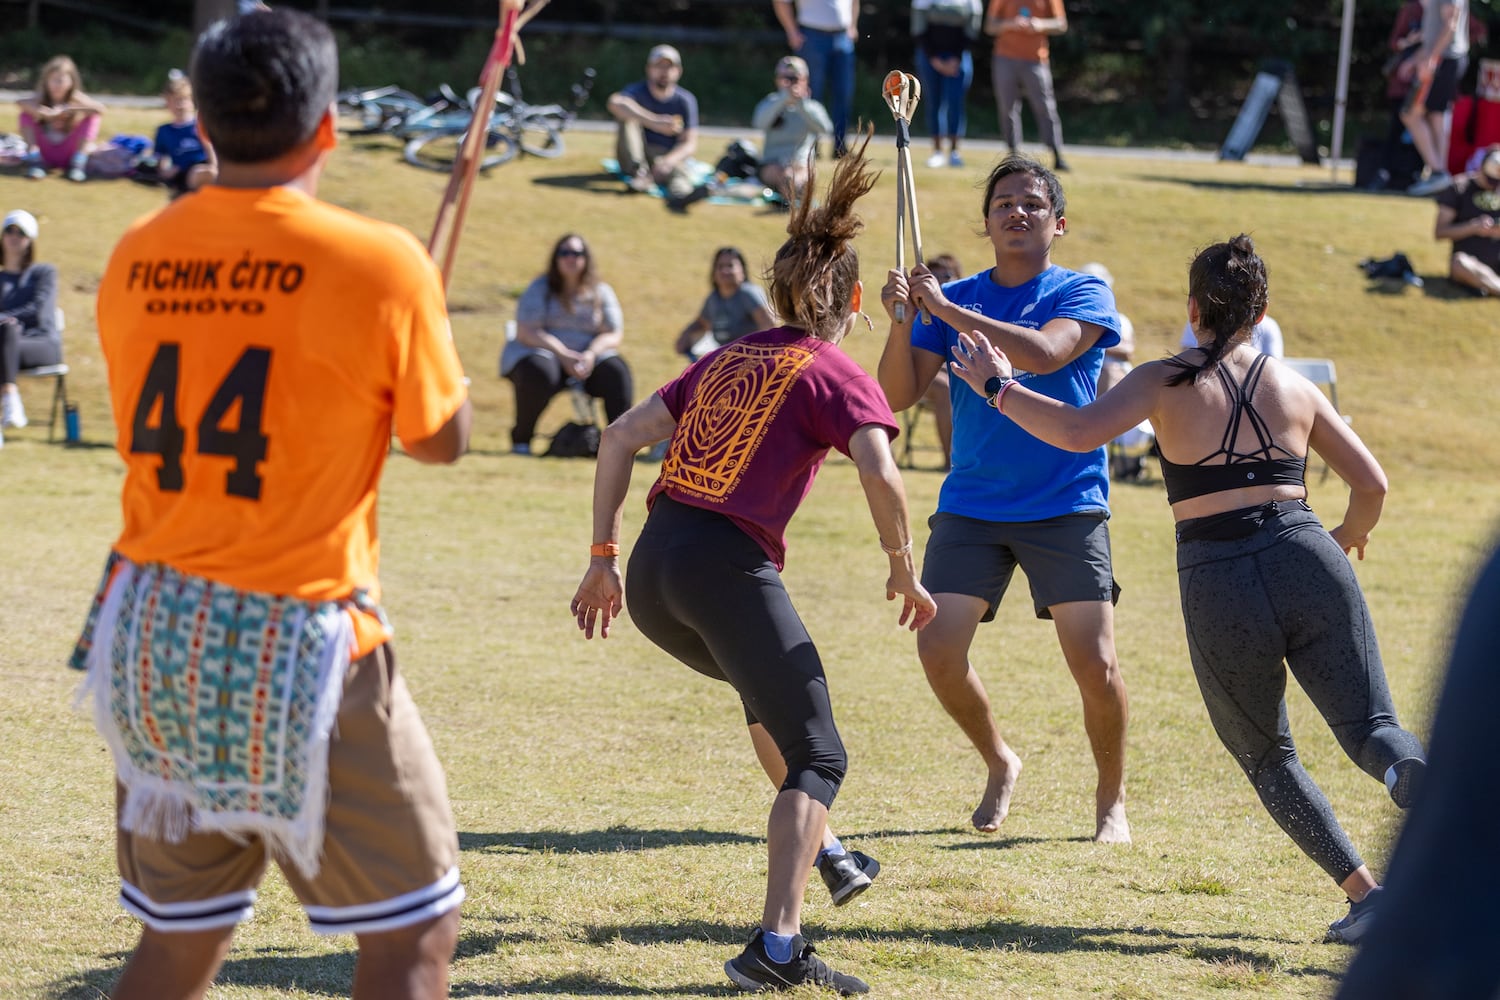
(1021, 65)
(262, 347)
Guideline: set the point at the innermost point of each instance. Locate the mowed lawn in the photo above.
(610, 809)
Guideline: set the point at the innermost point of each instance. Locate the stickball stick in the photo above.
(902, 91)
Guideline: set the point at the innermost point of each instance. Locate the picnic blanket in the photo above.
(733, 192)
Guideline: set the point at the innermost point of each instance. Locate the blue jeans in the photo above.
(830, 68)
(946, 95)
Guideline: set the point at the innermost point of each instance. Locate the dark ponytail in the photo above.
(1228, 282)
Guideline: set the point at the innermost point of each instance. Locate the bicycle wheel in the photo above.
(540, 135)
(439, 150)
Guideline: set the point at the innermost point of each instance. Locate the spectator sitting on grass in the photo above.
(183, 162)
(59, 122)
(792, 122)
(28, 312)
(658, 132)
(1469, 215)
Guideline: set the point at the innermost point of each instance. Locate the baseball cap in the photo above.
(666, 52)
(1491, 165)
(22, 220)
(792, 66)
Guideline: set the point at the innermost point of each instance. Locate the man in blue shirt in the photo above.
(1011, 499)
(658, 131)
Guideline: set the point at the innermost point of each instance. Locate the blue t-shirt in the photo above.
(682, 102)
(1000, 472)
(180, 144)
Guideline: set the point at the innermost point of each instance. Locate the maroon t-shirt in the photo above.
(755, 420)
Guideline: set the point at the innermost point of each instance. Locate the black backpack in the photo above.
(574, 440)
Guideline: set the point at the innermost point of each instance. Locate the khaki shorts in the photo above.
(390, 847)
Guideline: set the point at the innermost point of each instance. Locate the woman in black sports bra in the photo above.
(1264, 586)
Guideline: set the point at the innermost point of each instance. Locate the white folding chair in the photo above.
(1321, 373)
(59, 372)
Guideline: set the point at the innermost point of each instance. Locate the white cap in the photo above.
(666, 52)
(22, 220)
(1490, 166)
(1099, 271)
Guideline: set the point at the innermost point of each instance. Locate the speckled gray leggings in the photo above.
(1286, 592)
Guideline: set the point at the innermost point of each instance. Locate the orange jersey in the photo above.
(261, 346)
(1018, 45)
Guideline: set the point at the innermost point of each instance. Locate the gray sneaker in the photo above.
(1431, 184)
(1357, 923)
(847, 875)
(752, 969)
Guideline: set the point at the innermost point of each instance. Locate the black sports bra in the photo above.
(1259, 467)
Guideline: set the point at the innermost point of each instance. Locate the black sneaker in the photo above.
(680, 203)
(752, 969)
(847, 875)
(1357, 922)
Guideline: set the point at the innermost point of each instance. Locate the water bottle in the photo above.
(72, 429)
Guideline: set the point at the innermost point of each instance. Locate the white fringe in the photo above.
(164, 810)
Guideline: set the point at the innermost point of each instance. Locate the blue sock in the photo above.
(835, 848)
(778, 946)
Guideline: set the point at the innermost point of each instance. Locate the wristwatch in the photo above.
(993, 386)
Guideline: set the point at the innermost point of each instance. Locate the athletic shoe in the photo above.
(12, 413)
(1403, 780)
(680, 203)
(937, 160)
(1357, 923)
(847, 875)
(752, 969)
(75, 174)
(520, 449)
(1059, 165)
(1431, 184)
(954, 160)
(35, 173)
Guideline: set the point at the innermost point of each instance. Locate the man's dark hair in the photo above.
(262, 81)
(1017, 163)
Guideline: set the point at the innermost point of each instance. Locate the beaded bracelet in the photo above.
(903, 550)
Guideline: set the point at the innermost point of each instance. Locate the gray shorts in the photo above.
(1065, 558)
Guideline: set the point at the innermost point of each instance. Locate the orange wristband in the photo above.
(604, 549)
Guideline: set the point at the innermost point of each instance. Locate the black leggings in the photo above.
(539, 377)
(702, 589)
(1286, 592)
(19, 350)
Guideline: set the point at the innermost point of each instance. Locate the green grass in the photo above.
(610, 809)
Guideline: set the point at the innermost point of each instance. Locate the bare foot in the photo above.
(997, 792)
(1113, 827)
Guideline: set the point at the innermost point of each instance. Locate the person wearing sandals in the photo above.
(1264, 586)
(750, 425)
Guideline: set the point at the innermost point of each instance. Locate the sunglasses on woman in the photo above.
(570, 252)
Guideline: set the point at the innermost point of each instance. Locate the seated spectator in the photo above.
(936, 399)
(568, 331)
(1265, 337)
(28, 312)
(59, 122)
(183, 162)
(734, 307)
(1469, 215)
(1128, 452)
(792, 122)
(658, 132)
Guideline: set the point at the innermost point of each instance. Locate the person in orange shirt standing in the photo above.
(262, 347)
(1021, 65)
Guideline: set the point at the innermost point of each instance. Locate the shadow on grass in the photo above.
(1434, 286)
(583, 984)
(1005, 843)
(598, 182)
(608, 841)
(1293, 187)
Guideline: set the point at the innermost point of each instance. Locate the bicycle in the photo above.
(514, 126)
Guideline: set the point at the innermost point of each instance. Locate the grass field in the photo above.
(610, 809)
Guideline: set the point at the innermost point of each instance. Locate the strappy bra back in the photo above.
(1261, 466)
